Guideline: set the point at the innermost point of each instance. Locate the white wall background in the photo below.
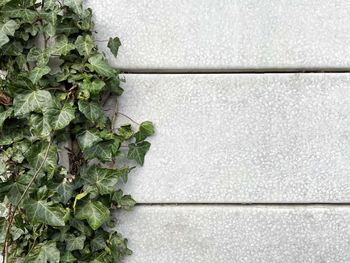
(251, 161)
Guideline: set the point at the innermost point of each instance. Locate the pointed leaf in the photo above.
(146, 129)
(113, 45)
(94, 212)
(4, 2)
(104, 151)
(4, 39)
(37, 73)
(98, 242)
(40, 56)
(84, 45)
(37, 100)
(138, 151)
(100, 65)
(94, 87)
(126, 131)
(5, 115)
(88, 139)
(42, 212)
(40, 125)
(62, 46)
(68, 258)
(9, 28)
(47, 252)
(75, 243)
(75, 5)
(60, 116)
(36, 155)
(103, 179)
(16, 189)
(65, 190)
(93, 112)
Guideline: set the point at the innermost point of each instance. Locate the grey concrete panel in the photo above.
(237, 234)
(226, 34)
(242, 138)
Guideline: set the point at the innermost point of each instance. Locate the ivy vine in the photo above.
(62, 157)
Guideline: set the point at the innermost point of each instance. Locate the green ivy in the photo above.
(54, 84)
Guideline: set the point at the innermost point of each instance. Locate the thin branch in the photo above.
(126, 116)
(114, 118)
(8, 228)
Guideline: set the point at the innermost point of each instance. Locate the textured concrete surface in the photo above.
(242, 138)
(226, 34)
(237, 234)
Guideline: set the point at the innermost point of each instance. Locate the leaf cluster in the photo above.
(62, 160)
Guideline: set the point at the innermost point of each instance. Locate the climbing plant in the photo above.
(62, 156)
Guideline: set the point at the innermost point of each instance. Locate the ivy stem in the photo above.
(13, 212)
(114, 118)
(126, 116)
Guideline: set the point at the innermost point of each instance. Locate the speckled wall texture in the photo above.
(280, 141)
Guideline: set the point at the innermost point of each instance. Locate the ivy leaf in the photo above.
(94, 87)
(84, 45)
(125, 202)
(43, 212)
(104, 151)
(16, 189)
(67, 28)
(126, 131)
(40, 56)
(3, 167)
(103, 179)
(60, 116)
(4, 2)
(68, 258)
(98, 242)
(94, 212)
(62, 46)
(113, 45)
(75, 243)
(47, 252)
(93, 112)
(81, 226)
(16, 232)
(103, 257)
(99, 64)
(5, 115)
(124, 172)
(101, 151)
(75, 5)
(18, 9)
(138, 151)
(36, 155)
(40, 125)
(88, 139)
(146, 130)
(37, 73)
(9, 28)
(113, 85)
(65, 190)
(50, 5)
(36, 100)
(4, 39)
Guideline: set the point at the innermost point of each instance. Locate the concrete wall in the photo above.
(244, 122)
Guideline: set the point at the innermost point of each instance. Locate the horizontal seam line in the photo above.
(164, 72)
(244, 204)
